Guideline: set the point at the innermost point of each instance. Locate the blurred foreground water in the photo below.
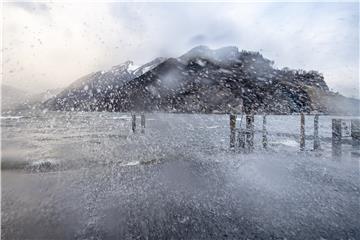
(87, 176)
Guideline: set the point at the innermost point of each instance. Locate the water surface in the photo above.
(87, 176)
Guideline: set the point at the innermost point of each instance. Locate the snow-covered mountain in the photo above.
(220, 80)
(201, 80)
(96, 89)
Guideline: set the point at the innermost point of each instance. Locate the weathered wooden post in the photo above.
(336, 137)
(250, 132)
(316, 132)
(264, 132)
(302, 132)
(355, 133)
(133, 123)
(241, 139)
(232, 130)
(142, 122)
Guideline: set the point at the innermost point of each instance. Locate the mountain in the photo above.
(15, 99)
(336, 104)
(11, 97)
(36, 100)
(205, 80)
(95, 91)
(221, 55)
(222, 80)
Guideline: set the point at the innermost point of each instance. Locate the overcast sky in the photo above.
(50, 45)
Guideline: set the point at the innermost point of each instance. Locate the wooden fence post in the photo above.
(336, 137)
(241, 139)
(302, 132)
(316, 132)
(264, 132)
(142, 122)
(232, 130)
(355, 133)
(250, 132)
(133, 122)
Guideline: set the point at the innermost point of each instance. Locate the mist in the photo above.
(50, 45)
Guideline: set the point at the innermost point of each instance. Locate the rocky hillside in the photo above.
(96, 91)
(201, 80)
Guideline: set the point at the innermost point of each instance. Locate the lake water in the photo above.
(87, 176)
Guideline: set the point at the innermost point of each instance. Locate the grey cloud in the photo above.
(198, 39)
(323, 37)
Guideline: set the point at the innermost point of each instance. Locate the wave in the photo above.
(45, 165)
(13, 165)
(11, 117)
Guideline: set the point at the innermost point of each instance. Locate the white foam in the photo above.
(133, 163)
(124, 117)
(212, 127)
(287, 142)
